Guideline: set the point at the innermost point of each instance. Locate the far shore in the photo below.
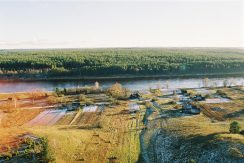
(119, 77)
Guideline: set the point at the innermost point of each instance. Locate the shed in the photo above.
(135, 95)
(190, 109)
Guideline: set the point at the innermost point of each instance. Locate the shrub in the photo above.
(82, 97)
(118, 92)
(58, 92)
(148, 105)
(156, 92)
(234, 152)
(154, 99)
(234, 127)
(47, 155)
(192, 161)
(207, 96)
(52, 100)
(89, 102)
(221, 93)
(177, 107)
(242, 132)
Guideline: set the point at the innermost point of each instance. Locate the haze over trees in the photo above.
(123, 61)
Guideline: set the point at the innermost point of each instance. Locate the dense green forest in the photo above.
(122, 61)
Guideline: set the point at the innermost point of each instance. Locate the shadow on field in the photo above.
(236, 114)
(122, 112)
(84, 127)
(167, 146)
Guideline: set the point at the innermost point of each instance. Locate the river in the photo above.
(132, 84)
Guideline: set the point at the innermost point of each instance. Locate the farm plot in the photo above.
(207, 111)
(90, 109)
(67, 118)
(47, 117)
(18, 117)
(87, 120)
(116, 139)
(217, 100)
(203, 91)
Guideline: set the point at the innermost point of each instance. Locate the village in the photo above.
(97, 124)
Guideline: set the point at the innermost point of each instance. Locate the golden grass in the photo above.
(66, 119)
(18, 117)
(231, 137)
(118, 138)
(24, 95)
(196, 125)
(9, 137)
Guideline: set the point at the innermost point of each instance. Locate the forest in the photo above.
(51, 63)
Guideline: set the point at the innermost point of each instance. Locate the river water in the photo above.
(132, 84)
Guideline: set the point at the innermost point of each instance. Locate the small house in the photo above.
(190, 109)
(185, 99)
(90, 108)
(135, 95)
(198, 98)
(133, 108)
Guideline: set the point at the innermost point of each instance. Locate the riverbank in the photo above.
(118, 77)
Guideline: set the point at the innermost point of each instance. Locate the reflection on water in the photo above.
(136, 84)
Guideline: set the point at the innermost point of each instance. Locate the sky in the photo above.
(91, 24)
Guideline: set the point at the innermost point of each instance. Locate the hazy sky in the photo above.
(78, 24)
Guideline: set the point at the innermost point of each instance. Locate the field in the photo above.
(153, 128)
(116, 138)
(127, 62)
(173, 136)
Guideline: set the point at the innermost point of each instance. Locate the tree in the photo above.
(97, 85)
(117, 91)
(225, 83)
(232, 83)
(205, 82)
(167, 84)
(158, 92)
(234, 127)
(35, 94)
(58, 92)
(215, 84)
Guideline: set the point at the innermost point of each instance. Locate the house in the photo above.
(133, 108)
(190, 109)
(90, 108)
(135, 95)
(185, 99)
(198, 98)
(177, 91)
(71, 107)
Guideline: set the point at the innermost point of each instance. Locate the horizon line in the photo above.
(133, 47)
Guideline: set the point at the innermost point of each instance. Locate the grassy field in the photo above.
(176, 136)
(117, 135)
(115, 139)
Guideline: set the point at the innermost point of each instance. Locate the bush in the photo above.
(89, 102)
(192, 161)
(148, 105)
(118, 92)
(177, 107)
(207, 96)
(234, 152)
(154, 99)
(242, 132)
(234, 127)
(47, 155)
(221, 93)
(58, 92)
(52, 100)
(82, 97)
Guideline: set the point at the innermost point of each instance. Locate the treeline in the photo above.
(124, 61)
